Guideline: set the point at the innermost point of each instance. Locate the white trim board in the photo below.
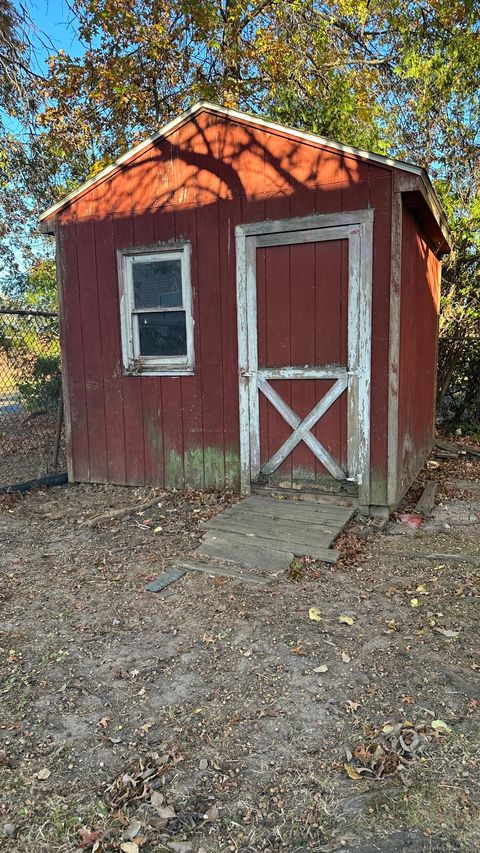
(133, 362)
(255, 121)
(357, 228)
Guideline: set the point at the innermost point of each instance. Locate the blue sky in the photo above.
(55, 29)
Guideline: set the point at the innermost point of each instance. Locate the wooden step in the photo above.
(218, 570)
(234, 548)
(241, 542)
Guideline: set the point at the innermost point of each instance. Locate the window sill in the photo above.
(161, 372)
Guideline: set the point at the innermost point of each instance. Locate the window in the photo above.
(156, 309)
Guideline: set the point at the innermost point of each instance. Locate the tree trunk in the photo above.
(231, 54)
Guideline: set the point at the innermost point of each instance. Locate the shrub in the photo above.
(40, 392)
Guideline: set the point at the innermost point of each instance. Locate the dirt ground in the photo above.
(218, 716)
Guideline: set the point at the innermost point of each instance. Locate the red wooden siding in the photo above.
(419, 305)
(198, 184)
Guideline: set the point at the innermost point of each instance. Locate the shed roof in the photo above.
(425, 185)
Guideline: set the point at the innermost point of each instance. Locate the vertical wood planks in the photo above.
(111, 349)
(185, 228)
(302, 347)
(144, 235)
(72, 354)
(229, 215)
(211, 344)
(92, 352)
(381, 202)
(418, 337)
(132, 386)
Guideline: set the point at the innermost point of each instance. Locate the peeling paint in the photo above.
(200, 467)
(378, 486)
(174, 471)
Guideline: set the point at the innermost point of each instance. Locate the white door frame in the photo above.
(357, 228)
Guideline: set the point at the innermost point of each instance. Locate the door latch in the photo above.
(245, 374)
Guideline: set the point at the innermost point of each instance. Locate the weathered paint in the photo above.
(212, 173)
(287, 272)
(188, 471)
(419, 307)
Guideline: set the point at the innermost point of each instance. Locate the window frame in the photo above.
(153, 365)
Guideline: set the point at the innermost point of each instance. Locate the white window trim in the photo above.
(133, 362)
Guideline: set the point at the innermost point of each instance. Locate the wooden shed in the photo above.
(246, 305)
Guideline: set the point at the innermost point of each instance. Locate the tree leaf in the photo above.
(166, 812)
(129, 847)
(314, 614)
(352, 772)
(450, 635)
(44, 774)
(346, 620)
(157, 799)
(440, 726)
(88, 836)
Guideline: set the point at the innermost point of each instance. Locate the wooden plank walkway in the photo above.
(264, 534)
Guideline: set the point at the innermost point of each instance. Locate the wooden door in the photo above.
(304, 351)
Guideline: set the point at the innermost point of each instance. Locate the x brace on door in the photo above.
(302, 428)
(353, 377)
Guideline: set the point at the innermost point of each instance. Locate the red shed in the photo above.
(243, 304)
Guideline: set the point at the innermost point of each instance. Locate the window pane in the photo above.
(162, 334)
(157, 283)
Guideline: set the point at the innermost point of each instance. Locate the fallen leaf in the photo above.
(414, 602)
(352, 773)
(314, 614)
(440, 726)
(158, 530)
(267, 712)
(212, 814)
(44, 774)
(346, 657)
(88, 836)
(180, 846)
(166, 812)
(353, 705)
(422, 589)
(157, 799)
(103, 723)
(145, 727)
(346, 620)
(451, 635)
(132, 831)
(129, 847)
(297, 650)
(322, 668)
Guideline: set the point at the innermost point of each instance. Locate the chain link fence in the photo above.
(31, 414)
